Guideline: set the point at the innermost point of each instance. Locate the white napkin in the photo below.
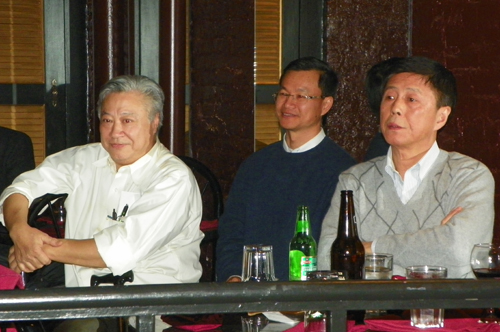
(277, 316)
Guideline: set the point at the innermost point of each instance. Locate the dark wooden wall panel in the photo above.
(463, 35)
(222, 90)
(358, 34)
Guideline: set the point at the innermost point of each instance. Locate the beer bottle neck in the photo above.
(347, 217)
(302, 225)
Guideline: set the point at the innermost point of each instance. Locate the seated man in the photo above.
(421, 204)
(374, 85)
(158, 237)
(302, 169)
(16, 155)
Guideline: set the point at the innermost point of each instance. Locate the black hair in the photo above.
(441, 79)
(376, 80)
(328, 79)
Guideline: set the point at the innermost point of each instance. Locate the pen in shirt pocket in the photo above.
(124, 212)
(114, 216)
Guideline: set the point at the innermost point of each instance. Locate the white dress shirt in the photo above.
(159, 238)
(312, 143)
(414, 176)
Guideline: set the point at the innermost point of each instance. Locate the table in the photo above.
(145, 301)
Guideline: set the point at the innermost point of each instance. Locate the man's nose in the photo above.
(116, 129)
(290, 100)
(397, 107)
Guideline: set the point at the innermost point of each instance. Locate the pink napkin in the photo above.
(194, 323)
(10, 279)
(455, 325)
(297, 328)
(198, 328)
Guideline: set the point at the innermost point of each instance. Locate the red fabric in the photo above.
(194, 322)
(198, 328)
(455, 325)
(209, 225)
(10, 279)
(450, 325)
(297, 328)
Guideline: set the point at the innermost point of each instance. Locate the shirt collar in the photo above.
(423, 165)
(312, 143)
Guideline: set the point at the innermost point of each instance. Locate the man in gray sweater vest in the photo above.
(420, 203)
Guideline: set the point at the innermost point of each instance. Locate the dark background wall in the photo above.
(359, 34)
(462, 34)
(222, 89)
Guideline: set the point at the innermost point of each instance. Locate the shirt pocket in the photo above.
(128, 199)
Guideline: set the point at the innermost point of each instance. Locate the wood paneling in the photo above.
(267, 41)
(21, 42)
(267, 128)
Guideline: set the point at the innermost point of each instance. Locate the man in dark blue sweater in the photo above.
(302, 169)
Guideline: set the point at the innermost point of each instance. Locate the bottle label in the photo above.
(300, 265)
(307, 264)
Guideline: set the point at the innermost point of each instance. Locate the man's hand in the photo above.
(234, 279)
(368, 247)
(450, 215)
(27, 253)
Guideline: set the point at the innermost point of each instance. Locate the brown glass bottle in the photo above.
(347, 252)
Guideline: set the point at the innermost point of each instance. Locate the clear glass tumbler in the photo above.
(258, 263)
(427, 318)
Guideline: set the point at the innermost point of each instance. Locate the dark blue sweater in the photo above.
(261, 207)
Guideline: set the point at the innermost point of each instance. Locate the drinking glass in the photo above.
(378, 266)
(258, 264)
(253, 323)
(316, 321)
(426, 318)
(485, 263)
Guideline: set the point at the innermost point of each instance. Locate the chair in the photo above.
(213, 206)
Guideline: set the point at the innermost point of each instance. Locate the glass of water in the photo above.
(378, 266)
(427, 318)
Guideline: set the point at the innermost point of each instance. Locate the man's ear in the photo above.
(442, 115)
(155, 124)
(326, 105)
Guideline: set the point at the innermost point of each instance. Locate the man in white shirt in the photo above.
(131, 204)
(423, 205)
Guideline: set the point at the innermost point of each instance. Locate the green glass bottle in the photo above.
(303, 248)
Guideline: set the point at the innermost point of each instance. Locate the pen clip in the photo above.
(124, 212)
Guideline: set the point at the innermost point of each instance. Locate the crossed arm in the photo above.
(33, 249)
(455, 211)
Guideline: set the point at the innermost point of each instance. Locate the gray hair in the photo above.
(142, 84)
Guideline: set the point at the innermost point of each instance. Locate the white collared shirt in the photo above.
(414, 176)
(159, 236)
(312, 143)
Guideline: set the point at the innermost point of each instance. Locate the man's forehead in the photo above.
(122, 113)
(300, 80)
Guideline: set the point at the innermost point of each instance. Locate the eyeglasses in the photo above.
(281, 96)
